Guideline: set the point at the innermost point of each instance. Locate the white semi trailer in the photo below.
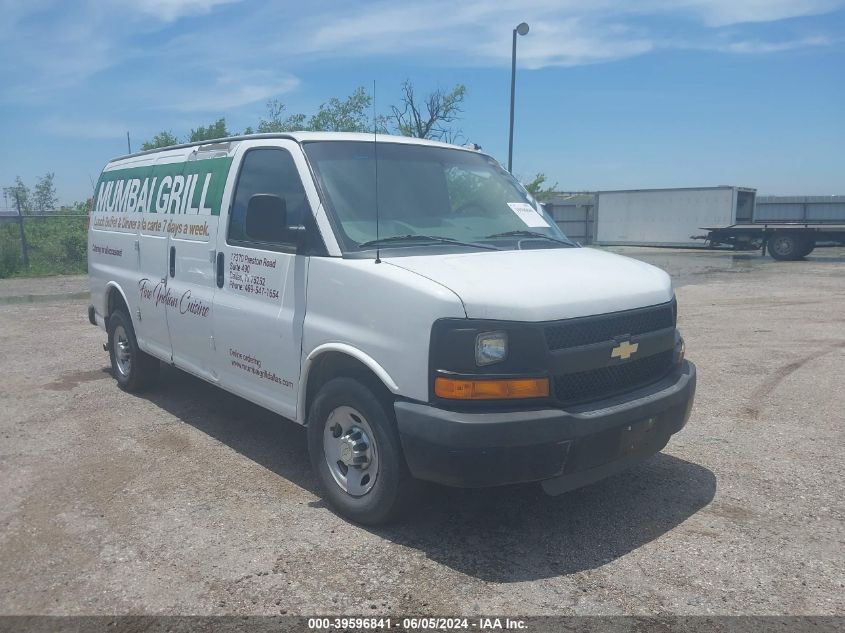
(668, 217)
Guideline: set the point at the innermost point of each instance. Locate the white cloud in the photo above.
(571, 43)
(58, 46)
(49, 67)
(563, 32)
(727, 12)
(170, 10)
(758, 47)
(477, 32)
(87, 129)
(231, 90)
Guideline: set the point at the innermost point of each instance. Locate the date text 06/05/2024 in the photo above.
(417, 624)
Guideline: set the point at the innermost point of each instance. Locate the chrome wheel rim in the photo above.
(350, 450)
(122, 351)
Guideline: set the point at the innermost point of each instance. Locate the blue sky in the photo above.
(610, 93)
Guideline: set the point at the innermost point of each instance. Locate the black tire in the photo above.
(809, 246)
(787, 246)
(142, 369)
(393, 488)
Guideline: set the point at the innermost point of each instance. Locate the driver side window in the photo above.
(268, 171)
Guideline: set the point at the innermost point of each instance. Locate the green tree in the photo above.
(56, 245)
(164, 138)
(44, 197)
(295, 122)
(336, 115)
(431, 118)
(213, 131)
(19, 197)
(349, 115)
(277, 122)
(536, 189)
(79, 208)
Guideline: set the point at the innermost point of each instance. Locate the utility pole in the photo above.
(128, 143)
(521, 29)
(24, 247)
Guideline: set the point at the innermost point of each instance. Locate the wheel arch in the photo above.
(334, 360)
(115, 298)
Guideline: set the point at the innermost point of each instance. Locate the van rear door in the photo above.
(151, 324)
(192, 219)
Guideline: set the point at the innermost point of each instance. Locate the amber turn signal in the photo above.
(459, 389)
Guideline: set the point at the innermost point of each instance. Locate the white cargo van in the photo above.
(407, 301)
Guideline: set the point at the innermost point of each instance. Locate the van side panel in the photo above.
(381, 309)
(112, 249)
(144, 205)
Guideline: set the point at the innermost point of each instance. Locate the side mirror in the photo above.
(266, 218)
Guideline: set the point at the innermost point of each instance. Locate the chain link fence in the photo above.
(49, 244)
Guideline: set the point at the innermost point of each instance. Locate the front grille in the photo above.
(605, 327)
(618, 378)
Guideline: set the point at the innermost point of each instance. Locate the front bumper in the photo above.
(564, 449)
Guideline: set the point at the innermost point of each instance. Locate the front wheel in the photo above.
(356, 453)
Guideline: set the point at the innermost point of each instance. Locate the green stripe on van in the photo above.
(190, 187)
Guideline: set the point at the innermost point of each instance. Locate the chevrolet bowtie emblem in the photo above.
(624, 350)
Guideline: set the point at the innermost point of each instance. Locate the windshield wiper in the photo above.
(423, 239)
(531, 234)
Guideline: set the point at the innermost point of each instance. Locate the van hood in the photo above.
(543, 284)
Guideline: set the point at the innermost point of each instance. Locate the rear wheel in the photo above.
(787, 246)
(809, 246)
(133, 369)
(356, 453)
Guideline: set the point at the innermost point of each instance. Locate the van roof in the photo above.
(301, 137)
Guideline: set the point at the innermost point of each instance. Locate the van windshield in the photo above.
(426, 196)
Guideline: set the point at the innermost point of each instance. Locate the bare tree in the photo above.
(432, 117)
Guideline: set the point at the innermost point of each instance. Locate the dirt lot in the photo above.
(191, 501)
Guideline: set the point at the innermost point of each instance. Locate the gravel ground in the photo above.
(192, 501)
(23, 290)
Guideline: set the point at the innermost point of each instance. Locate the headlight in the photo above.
(490, 347)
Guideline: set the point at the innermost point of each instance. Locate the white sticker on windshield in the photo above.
(528, 214)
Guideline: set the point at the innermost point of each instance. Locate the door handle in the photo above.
(172, 261)
(219, 270)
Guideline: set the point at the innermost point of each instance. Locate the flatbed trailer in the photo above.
(786, 241)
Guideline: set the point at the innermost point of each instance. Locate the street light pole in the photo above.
(521, 29)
